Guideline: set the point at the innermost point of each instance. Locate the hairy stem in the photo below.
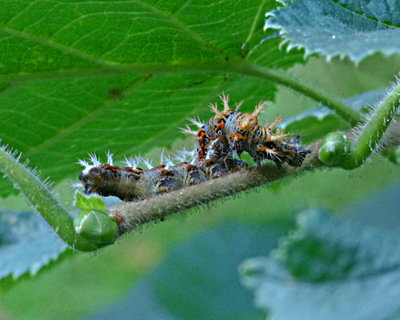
(247, 68)
(134, 214)
(43, 200)
(373, 129)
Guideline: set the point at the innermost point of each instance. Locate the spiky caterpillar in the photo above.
(240, 132)
(229, 131)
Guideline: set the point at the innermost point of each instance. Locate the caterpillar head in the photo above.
(281, 151)
(90, 179)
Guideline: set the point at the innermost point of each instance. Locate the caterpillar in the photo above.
(240, 132)
(228, 132)
(131, 182)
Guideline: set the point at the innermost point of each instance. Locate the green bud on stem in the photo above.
(96, 226)
(333, 149)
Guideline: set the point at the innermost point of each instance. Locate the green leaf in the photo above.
(199, 278)
(109, 34)
(316, 123)
(26, 244)
(328, 28)
(85, 77)
(84, 202)
(328, 269)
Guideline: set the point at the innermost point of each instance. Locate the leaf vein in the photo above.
(83, 121)
(58, 46)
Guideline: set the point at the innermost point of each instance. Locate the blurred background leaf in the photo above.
(333, 269)
(380, 211)
(26, 244)
(198, 279)
(318, 122)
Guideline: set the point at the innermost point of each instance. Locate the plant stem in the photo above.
(43, 200)
(348, 114)
(372, 131)
(132, 215)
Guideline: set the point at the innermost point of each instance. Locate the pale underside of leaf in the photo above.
(26, 244)
(385, 11)
(347, 272)
(331, 29)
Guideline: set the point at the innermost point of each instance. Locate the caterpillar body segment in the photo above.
(131, 184)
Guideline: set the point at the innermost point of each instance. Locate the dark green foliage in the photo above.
(62, 62)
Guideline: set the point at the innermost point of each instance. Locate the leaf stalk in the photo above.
(241, 67)
(43, 200)
(345, 112)
(371, 132)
